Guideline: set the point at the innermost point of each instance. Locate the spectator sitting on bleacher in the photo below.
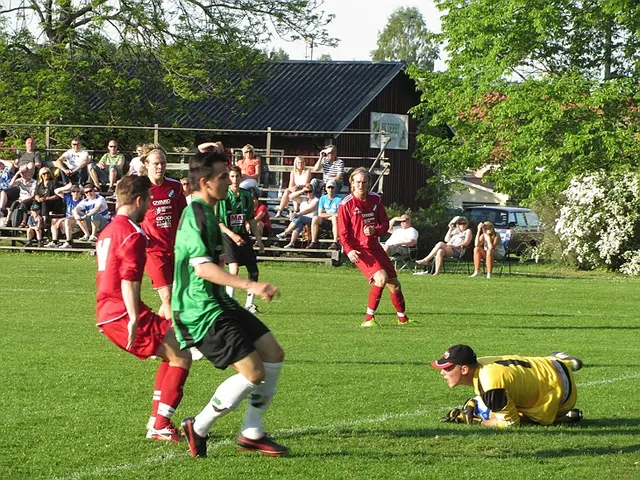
(136, 163)
(456, 240)
(93, 210)
(45, 194)
(108, 168)
(308, 210)
(26, 190)
(488, 246)
(299, 177)
(332, 168)
(73, 164)
(30, 157)
(327, 217)
(249, 167)
(186, 189)
(71, 195)
(261, 216)
(7, 192)
(35, 226)
(401, 236)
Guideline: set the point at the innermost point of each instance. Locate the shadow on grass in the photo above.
(356, 362)
(572, 327)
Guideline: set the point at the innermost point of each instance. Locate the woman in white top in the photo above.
(456, 240)
(300, 176)
(488, 247)
(308, 210)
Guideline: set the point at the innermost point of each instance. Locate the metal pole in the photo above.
(155, 133)
(47, 135)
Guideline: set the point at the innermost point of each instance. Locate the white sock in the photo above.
(249, 301)
(227, 397)
(231, 291)
(259, 401)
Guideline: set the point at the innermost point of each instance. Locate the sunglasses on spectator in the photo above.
(89, 190)
(112, 146)
(75, 144)
(403, 221)
(331, 186)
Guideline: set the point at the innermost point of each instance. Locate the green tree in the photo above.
(406, 38)
(539, 91)
(278, 54)
(325, 57)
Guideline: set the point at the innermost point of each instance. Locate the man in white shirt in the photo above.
(73, 164)
(91, 212)
(401, 236)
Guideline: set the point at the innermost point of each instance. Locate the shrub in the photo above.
(599, 221)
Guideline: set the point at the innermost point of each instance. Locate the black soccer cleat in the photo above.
(197, 444)
(576, 363)
(574, 415)
(265, 445)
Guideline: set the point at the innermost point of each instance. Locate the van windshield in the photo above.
(497, 217)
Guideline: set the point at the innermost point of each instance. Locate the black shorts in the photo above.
(231, 337)
(243, 255)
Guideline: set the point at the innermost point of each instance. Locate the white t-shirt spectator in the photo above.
(88, 204)
(134, 166)
(27, 189)
(73, 159)
(307, 204)
(402, 236)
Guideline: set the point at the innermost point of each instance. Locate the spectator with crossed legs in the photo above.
(362, 220)
(299, 177)
(456, 240)
(308, 211)
(122, 316)
(26, 189)
(206, 317)
(45, 194)
(250, 168)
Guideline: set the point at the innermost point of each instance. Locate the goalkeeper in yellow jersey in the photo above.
(512, 390)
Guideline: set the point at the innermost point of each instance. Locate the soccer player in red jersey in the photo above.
(121, 315)
(361, 222)
(160, 224)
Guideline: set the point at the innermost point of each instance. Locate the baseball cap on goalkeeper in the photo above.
(456, 355)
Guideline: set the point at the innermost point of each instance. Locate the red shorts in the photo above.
(152, 329)
(159, 267)
(370, 262)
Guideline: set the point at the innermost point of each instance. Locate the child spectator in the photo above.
(35, 226)
(71, 195)
(92, 211)
(261, 216)
(308, 210)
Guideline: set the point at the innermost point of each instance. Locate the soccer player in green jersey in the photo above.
(234, 213)
(206, 317)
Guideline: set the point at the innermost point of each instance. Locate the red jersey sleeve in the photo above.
(345, 229)
(132, 257)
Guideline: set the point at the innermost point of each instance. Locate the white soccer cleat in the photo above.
(576, 363)
(251, 308)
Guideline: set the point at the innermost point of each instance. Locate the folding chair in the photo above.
(403, 257)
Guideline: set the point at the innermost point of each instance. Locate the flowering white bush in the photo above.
(600, 221)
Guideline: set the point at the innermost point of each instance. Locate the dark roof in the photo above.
(300, 96)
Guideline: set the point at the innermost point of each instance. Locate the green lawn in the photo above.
(352, 403)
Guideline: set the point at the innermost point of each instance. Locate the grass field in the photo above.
(352, 403)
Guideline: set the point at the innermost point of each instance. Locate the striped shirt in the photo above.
(331, 169)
